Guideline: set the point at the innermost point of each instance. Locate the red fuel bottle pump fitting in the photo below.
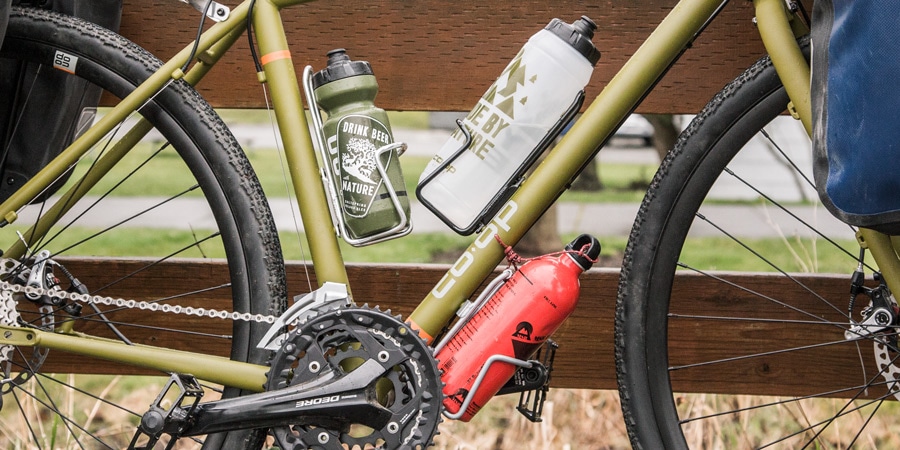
(512, 325)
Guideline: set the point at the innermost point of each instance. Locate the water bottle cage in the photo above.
(510, 185)
(531, 380)
(404, 225)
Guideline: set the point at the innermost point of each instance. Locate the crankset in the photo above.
(404, 399)
(348, 378)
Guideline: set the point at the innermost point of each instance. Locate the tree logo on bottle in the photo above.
(505, 98)
(358, 139)
(357, 159)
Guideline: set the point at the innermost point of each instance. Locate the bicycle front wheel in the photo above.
(184, 196)
(709, 354)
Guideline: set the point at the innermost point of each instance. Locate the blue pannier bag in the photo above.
(856, 106)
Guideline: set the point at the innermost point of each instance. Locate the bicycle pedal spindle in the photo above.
(181, 393)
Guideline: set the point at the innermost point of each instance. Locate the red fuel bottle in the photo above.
(514, 323)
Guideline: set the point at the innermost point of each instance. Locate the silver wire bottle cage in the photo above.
(403, 228)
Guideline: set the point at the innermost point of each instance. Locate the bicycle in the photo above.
(406, 404)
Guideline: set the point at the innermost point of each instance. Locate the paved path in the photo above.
(608, 219)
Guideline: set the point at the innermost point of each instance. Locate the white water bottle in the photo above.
(514, 121)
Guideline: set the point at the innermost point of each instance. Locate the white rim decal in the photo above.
(65, 62)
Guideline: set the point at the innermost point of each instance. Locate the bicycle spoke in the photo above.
(51, 405)
(795, 216)
(770, 299)
(27, 423)
(757, 355)
(104, 195)
(760, 356)
(79, 390)
(787, 158)
(851, 400)
(780, 402)
(130, 218)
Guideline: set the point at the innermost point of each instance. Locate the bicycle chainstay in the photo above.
(400, 408)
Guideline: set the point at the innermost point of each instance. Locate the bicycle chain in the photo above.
(8, 316)
(132, 304)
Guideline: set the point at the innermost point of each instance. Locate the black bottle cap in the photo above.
(589, 255)
(578, 35)
(340, 67)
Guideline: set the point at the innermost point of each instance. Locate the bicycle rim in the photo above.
(698, 370)
(185, 193)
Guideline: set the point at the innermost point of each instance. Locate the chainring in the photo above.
(336, 342)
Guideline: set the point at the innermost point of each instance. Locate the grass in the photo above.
(713, 253)
(399, 119)
(167, 170)
(618, 179)
(622, 182)
(573, 419)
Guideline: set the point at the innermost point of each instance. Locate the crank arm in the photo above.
(326, 401)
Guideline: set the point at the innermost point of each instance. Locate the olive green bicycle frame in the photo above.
(619, 98)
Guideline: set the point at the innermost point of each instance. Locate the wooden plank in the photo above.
(441, 56)
(586, 355)
(832, 363)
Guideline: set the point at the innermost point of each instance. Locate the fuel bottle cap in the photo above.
(339, 67)
(585, 259)
(578, 35)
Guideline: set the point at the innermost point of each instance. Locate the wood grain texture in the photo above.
(441, 56)
(585, 358)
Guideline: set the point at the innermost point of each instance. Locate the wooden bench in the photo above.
(441, 56)
(586, 357)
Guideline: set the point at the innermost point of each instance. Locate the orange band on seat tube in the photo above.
(275, 56)
(422, 334)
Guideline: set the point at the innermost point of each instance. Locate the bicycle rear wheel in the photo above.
(711, 358)
(186, 192)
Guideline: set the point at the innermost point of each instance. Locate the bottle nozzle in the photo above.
(337, 55)
(585, 26)
(577, 34)
(339, 67)
(584, 250)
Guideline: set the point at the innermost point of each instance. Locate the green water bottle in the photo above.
(354, 132)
